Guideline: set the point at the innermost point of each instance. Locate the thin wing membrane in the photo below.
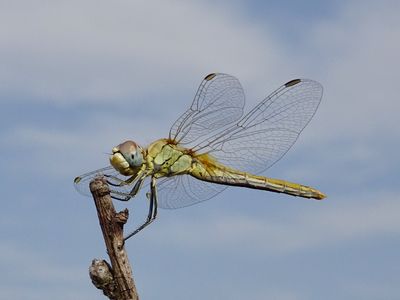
(253, 144)
(185, 190)
(219, 101)
(269, 130)
(82, 182)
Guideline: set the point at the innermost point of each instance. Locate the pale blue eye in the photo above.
(134, 159)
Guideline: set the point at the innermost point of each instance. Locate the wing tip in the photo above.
(292, 82)
(210, 76)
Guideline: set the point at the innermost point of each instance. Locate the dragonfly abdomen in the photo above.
(212, 171)
(282, 186)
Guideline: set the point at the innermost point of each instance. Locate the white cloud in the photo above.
(358, 57)
(101, 50)
(127, 50)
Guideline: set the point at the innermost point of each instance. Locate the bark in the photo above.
(115, 280)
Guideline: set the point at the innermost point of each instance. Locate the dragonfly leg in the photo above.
(152, 209)
(119, 181)
(132, 193)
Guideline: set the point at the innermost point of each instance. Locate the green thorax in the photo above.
(165, 158)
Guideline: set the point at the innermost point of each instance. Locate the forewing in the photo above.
(219, 101)
(268, 131)
(185, 190)
(82, 182)
(173, 192)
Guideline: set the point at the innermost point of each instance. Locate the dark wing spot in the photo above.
(210, 76)
(77, 179)
(292, 82)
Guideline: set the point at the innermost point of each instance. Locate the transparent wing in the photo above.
(173, 192)
(184, 190)
(219, 101)
(253, 144)
(268, 131)
(81, 182)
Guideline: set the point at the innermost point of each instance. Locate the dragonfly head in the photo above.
(127, 158)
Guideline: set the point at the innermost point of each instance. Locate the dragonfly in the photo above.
(213, 145)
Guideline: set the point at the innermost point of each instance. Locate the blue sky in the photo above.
(79, 77)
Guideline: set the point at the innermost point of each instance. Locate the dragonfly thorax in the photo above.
(127, 158)
(168, 159)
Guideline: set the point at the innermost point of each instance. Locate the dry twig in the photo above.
(116, 280)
